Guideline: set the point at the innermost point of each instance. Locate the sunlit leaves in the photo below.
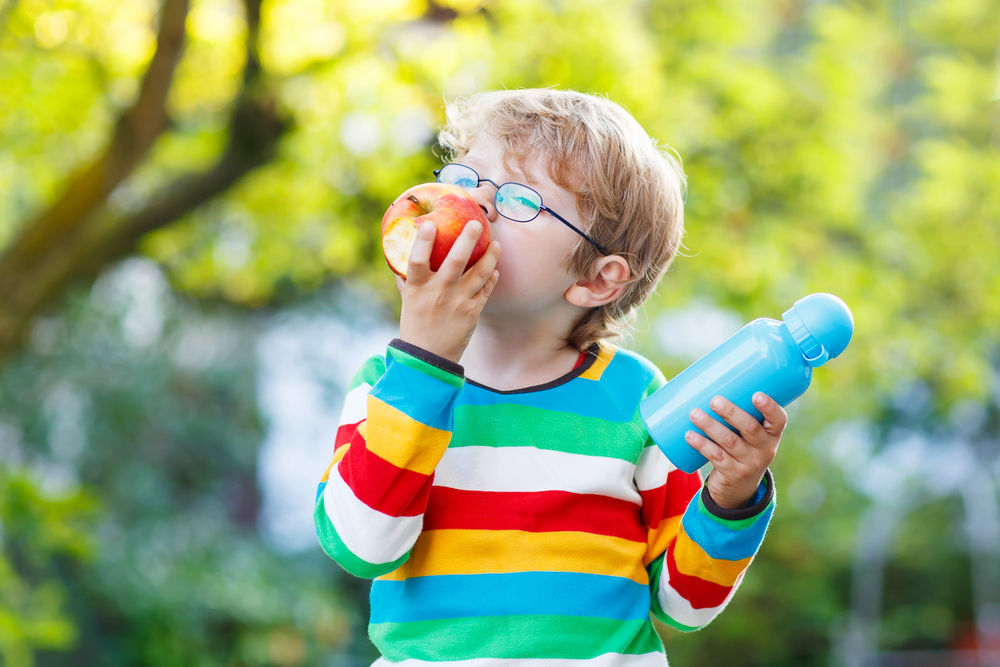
(210, 72)
(297, 34)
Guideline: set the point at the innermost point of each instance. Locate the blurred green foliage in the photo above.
(130, 505)
(848, 147)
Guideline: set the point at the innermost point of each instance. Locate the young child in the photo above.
(491, 471)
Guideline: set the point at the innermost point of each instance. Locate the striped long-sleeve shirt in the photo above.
(532, 527)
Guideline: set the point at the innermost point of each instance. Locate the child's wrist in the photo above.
(732, 496)
(762, 496)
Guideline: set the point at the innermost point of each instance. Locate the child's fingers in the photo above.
(418, 268)
(718, 432)
(458, 256)
(484, 292)
(483, 269)
(741, 420)
(775, 417)
(707, 448)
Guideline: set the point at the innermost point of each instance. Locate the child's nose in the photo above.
(484, 197)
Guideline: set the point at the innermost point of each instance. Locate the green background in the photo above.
(155, 231)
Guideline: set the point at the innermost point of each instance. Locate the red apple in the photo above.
(449, 207)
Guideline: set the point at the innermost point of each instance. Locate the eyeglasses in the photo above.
(514, 201)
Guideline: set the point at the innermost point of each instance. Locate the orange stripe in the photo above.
(605, 353)
(500, 551)
(699, 593)
(660, 538)
(337, 455)
(401, 440)
(693, 561)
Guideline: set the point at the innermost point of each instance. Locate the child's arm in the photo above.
(395, 427)
(397, 418)
(698, 550)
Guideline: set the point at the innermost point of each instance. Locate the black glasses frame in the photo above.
(541, 205)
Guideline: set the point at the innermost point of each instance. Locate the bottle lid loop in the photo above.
(821, 325)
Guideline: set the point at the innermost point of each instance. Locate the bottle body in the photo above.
(762, 356)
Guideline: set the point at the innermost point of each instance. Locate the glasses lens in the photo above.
(459, 174)
(518, 202)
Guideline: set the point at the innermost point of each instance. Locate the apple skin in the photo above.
(449, 207)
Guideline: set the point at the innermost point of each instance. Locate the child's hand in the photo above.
(441, 308)
(739, 460)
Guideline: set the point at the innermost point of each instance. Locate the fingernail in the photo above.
(697, 413)
(716, 403)
(689, 436)
(758, 398)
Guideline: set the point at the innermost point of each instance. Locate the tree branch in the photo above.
(87, 190)
(76, 237)
(135, 132)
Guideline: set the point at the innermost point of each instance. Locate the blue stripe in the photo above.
(721, 541)
(469, 595)
(615, 398)
(422, 397)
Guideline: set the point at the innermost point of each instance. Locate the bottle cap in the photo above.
(821, 325)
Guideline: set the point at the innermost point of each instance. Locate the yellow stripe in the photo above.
(605, 353)
(402, 441)
(450, 551)
(337, 456)
(691, 559)
(340, 453)
(659, 539)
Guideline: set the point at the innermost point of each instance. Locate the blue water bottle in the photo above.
(766, 355)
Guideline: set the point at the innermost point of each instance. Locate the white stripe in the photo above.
(607, 660)
(681, 610)
(531, 469)
(355, 404)
(370, 535)
(653, 468)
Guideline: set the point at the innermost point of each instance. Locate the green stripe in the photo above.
(370, 372)
(535, 636)
(546, 429)
(338, 551)
(426, 368)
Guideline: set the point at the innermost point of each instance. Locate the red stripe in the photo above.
(381, 485)
(671, 498)
(699, 593)
(345, 433)
(536, 512)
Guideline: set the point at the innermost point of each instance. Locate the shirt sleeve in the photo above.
(696, 551)
(395, 426)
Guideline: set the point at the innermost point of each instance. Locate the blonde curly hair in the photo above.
(629, 189)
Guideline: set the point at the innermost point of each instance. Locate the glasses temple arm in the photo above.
(575, 229)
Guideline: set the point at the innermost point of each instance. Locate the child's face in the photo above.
(533, 256)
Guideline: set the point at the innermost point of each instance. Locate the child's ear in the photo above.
(610, 275)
